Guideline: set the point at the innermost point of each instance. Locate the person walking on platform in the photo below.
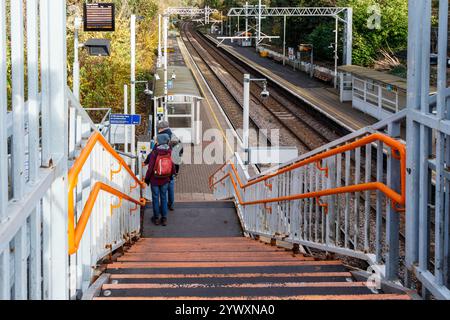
(160, 170)
(177, 153)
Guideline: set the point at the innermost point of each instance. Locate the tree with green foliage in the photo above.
(102, 78)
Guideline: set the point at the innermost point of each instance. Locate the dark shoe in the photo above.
(171, 208)
(155, 221)
(164, 221)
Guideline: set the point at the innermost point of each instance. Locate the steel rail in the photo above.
(75, 233)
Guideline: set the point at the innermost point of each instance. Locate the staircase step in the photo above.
(291, 297)
(122, 265)
(215, 257)
(228, 268)
(232, 290)
(220, 279)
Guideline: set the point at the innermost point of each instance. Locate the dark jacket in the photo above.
(179, 150)
(150, 178)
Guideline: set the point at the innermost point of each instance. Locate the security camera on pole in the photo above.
(246, 111)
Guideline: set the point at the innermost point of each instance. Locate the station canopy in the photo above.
(378, 76)
(184, 83)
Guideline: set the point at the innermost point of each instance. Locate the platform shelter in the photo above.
(182, 109)
(373, 92)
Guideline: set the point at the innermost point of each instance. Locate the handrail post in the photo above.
(392, 217)
(331, 216)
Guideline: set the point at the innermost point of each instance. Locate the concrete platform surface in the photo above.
(196, 219)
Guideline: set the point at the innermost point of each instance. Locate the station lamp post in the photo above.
(246, 110)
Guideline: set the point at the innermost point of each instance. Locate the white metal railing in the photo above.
(33, 223)
(428, 142)
(339, 214)
(47, 133)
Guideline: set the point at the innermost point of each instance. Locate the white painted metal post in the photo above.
(45, 78)
(17, 66)
(246, 117)
(133, 86)
(284, 40)
(33, 89)
(125, 111)
(159, 42)
(336, 50)
(76, 63)
(198, 131)
(349, 36)
(246, 20)
(59, 147)
(258, 39)
(3, 124)
(165, 31)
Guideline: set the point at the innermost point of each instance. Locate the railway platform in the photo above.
(313, 92)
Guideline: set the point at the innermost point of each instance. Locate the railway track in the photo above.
(296, 126)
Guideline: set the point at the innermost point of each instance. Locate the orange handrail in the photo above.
(84, 218)
(74, 234)
(396, 197)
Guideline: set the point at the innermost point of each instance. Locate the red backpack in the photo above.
(163, 166)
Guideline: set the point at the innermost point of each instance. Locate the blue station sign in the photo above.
(127, 119)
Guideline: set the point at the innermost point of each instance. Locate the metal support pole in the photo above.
(33, 88)
(221, 23)
(3, 127)
(133, 86)
(238, 29)
(125, 111)
(284, 40)
(348, 36)
(165, 31)
(336, 50)
(18, 104)
(258, 37)
(59, 264)
(76, 63)
(246, 20)
(159, 42)
(246, 117)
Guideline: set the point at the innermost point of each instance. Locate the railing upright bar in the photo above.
(441, 106)
(45, 80)
(17, 98)
(347, 201)
(379, 212)
(357, 196)
(424, 190)
(20, 264)
(338, 197)
(367, 199)
(318, 175)
(311, 171)
(35, 253)
(330, 218)
(33, 87)
(392, 216)
(3, 113)
(5, 274)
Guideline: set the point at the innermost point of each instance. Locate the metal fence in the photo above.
(428, 143)
(33, 220)
(346, 197)
(43, 133)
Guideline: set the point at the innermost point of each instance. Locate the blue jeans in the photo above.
(171, 191)
(159, 200)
